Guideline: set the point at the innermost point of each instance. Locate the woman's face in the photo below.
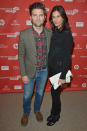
(57, 19)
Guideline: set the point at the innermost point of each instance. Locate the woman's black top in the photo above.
(59, 56)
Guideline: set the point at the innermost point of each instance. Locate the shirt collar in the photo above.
(37, 32)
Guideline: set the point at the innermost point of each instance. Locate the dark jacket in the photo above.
(59, 56)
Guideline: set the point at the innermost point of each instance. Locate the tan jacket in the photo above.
(27, 51)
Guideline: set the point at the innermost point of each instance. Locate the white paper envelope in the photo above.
(54, 79)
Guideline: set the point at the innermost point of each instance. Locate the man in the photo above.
(33, 49)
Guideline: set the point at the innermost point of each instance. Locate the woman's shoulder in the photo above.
(68, 33)
(68, 36)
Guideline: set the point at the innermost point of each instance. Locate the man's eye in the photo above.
(34, 15)
(41, 15)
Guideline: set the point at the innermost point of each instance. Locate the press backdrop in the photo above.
(14, 17)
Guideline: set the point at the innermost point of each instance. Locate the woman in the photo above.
(59, 57)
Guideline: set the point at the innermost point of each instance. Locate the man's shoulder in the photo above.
(26, 30)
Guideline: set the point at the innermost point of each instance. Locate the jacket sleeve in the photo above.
(21, 54)
(67, 54)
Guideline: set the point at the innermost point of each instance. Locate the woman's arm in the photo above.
(67, 54)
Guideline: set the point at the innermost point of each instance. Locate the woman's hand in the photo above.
(61, 81)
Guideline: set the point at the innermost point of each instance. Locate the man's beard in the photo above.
(36, 25)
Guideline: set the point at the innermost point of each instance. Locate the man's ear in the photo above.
(45, 16)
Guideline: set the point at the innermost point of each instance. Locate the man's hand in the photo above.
(61, 81)
(25, 79)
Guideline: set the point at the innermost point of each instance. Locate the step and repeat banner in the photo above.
(14, 17)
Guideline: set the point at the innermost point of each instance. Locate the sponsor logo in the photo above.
(86, 47)
(83, 56)
(13, 57)
(11, 77)
(17, 87)
(73, 56)
(68, 0)
(10, 57)
(72, 12)
(3, 46)
(6, 87)
(15, 23)
(78, 47)
(28, 22)
(84, 76)
(84, 85)
(84, 35)
(81, 1)
(2, 22)
(10, 10)
(10, 34)
(55, 0)
(76, 67)
(15, 77)
(79, 24)
(85, 68)
(15, 46)
(85, 11)
(4, 67)
(15, 67)
(73, 85)
(74, 34)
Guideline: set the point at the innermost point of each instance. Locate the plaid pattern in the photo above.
(41, 48)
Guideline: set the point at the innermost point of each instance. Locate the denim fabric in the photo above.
(40, 78)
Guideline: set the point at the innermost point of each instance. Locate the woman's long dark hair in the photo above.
(62, 12)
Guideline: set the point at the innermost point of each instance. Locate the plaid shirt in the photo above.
(41, 48)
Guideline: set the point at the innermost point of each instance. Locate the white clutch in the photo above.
(54, 79)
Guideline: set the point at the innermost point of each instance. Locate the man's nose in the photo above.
(38, 17)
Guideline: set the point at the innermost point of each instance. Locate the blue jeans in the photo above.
(40, 78)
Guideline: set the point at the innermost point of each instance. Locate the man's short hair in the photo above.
(37, 5)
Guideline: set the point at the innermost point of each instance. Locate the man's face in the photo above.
(37, 17)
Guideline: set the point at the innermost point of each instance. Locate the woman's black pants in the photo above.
(56, 102)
